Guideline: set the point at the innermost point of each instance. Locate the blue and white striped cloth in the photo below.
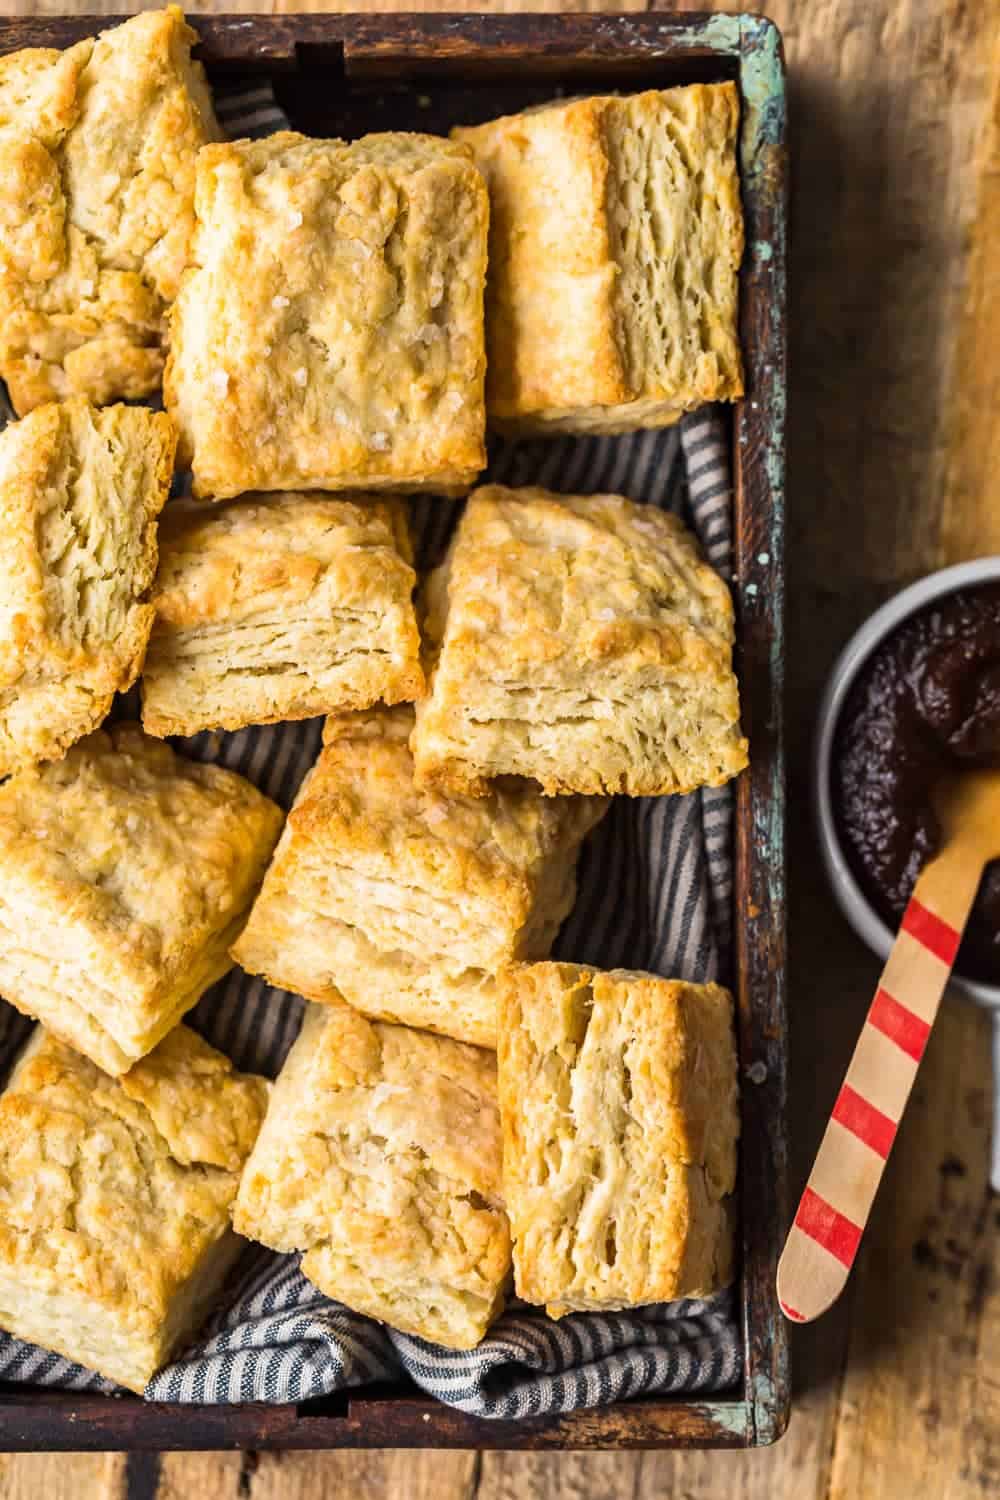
(655, 893)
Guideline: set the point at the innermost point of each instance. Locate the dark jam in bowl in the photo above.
(925, 703)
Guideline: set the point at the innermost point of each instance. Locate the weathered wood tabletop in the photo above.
(894, 467)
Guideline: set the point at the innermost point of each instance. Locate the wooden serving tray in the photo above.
(344, 75)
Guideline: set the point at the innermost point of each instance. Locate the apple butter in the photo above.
(926, 703)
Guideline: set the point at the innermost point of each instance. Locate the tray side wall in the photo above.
(759, 449)
(625, 49)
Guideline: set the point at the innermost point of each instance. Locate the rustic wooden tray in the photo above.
(348, 74)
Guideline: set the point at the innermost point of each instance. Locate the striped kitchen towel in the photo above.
(655, 893)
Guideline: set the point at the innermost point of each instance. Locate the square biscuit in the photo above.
(404, 902)
(80, 491)
(280, 607)
(116, 1198)
(125, 874)
(581, 641)
(619, 1110)
(616, 235)
(97, 152)
(380, 1159)
(329, 334)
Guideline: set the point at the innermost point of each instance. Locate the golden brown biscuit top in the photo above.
(145, 111)
(278, 551)
(204, 1110)
(380, 1157)
(331, 323)
(77, 487)
(108, 1186)
(361, 798)
(549, 585)
(148, 853)
(38, 90)
(126, 113)
(430, 1099)
(97, 152)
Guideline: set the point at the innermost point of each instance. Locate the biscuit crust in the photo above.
(115, 1199)
(380, 1158)
(618, 1101)
(357, 271)
(125, 874)
(280, 607)
(404, 902)
(97, 152)
(616, 235)
(581, 641)
(80, 492)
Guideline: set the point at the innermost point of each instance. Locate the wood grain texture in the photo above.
(894, 333)
(30, 1476)
(207, 1476)
(308, 1476)
(919, 1412)
(971, 499)
(891, 105)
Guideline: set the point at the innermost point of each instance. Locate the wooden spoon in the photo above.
(837, 1200)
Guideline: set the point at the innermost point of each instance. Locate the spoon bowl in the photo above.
(971, 800)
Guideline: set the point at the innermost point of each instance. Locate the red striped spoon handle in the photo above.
(837, 1200)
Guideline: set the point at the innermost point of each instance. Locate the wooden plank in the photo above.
(927, 1283)
(204, 1476)
(32, 1476)
(887, 182)
(317, 1476)
(971, 503)
(573, 1476)
(392, 1476)
(891, 101)
(376, 1476)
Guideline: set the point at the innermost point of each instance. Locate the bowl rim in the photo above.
(854, 905)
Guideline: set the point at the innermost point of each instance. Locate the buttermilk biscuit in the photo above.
(115, 1199)
(97, 150)
(615, 239)
(280, 607)
(404, 902)
(581, 641)
(619, 1112)
(329, 334)
(380, 1158)
(80, 491)
(125, 874)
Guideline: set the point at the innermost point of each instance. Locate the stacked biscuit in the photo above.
(328, 341)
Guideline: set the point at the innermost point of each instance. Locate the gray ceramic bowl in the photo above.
(868, 925)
